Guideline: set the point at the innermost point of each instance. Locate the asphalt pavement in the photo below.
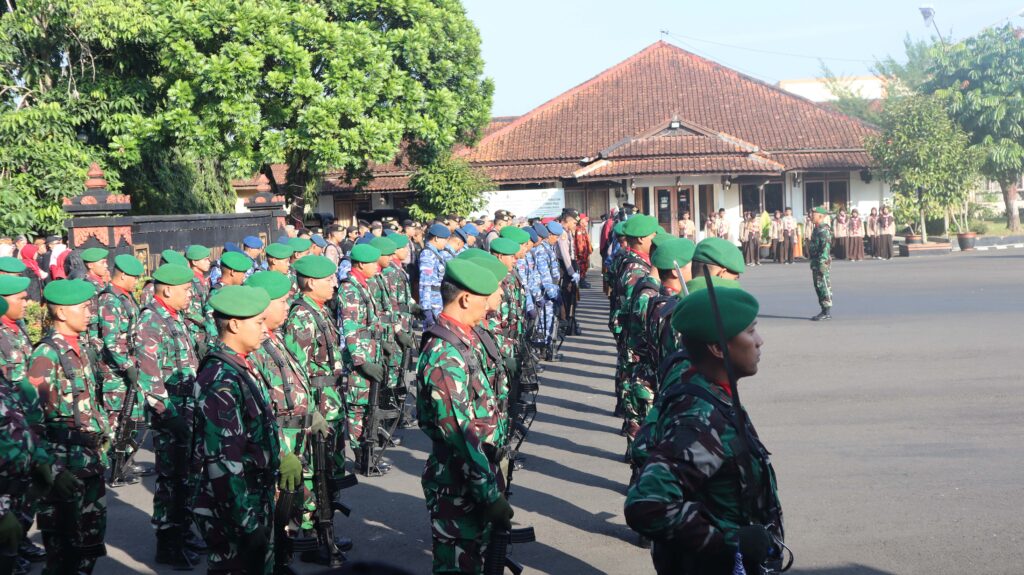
(896, 431)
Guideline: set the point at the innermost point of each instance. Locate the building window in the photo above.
(830, 191)
(707, 203)
(766, 198)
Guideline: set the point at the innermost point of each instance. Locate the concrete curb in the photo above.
(998, 247)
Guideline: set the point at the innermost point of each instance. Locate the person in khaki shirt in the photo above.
(687, 229)
(775, 235)
(839, 229)
(789, 235)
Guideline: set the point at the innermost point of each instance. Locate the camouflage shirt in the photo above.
(700, 482)
(195, 313)
(59, 369)
(15, 350)
(630, 269)
(117, 314)
(819, 249)
(18, 447)
(166, 358)
(458, 413)
(359, 321)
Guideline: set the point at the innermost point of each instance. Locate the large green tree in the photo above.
(925, 157)
(447, 185)
(982, 78)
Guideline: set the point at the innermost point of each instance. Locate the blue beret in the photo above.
(470, 229)
(541, 230)
(532, 233)
(252, 242)
(439, 231)
(462, 234)
(319, 240)
(283, 240)
(555, 228)
(231, 247)
(366, 238)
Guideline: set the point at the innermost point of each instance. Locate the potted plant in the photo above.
(766, 236)
(960, 220)
(908, 218)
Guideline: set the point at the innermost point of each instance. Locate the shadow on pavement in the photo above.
(573, 405)
(555, 442)
(552, 468)
(570, 514)
(535, 556)
(795, 317)
(550, 419)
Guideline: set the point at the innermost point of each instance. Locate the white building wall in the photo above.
(864, 196)
(325, 204)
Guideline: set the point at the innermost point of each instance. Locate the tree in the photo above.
(925, 157)
(982, 78)
(176, 181)
(318, 85)
(448, 185)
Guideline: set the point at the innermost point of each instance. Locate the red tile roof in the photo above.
(837, 160)
(752, 165)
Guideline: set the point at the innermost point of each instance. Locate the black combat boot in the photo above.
(31, 552)
(824, 315)
(170, 550)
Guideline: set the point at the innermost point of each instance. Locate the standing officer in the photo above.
(396, 279)
(118, 311)
(431, 271)
(167, 365)
(97, 273)
(819, 252)
(461, 484)
(73, 518)
(361, 351)
(706, 494)
(198, 257)
(253, 247)
(235, 267)
(237, 440)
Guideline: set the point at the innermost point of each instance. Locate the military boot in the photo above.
(170, 550)
(824, 315)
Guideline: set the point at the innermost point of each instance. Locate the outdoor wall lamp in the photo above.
(727, 182)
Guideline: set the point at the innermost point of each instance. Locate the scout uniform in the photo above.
(167, 364)
(462, 484)
(236, 439)
(705, 478)
(73, 520)
(819, 252)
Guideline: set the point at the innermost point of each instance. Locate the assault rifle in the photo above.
(325, 506)
(496, 559)
(130, 435)
(376, 430)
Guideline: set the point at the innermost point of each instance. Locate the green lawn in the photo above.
(996, 227)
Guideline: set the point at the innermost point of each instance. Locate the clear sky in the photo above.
(537, 49)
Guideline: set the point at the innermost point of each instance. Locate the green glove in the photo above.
(416, 309)
(42, 477)
(389, 348)
(511, 365)
(132, 374)
(406, 339)
(65, 485)
(291, 472)
(201, 349)
(10, 533)
(319, 425)
(374, 371)
(499, 513)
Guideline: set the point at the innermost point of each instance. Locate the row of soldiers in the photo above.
(702, 487)
(252, 389)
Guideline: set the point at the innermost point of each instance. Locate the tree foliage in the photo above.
(448, 185)
(147, 87)
(983, 80)
(925, 157)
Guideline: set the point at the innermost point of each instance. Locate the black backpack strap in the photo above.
(325, 338)
(69, 373)
(248, 388)
(671, 361)
(281, 364)
(489, 344)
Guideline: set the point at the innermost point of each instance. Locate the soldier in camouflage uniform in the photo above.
(462, 481)
(404, 309)
(706, 492)
(199, 261)
(362, 353)
(118, 311)
(237, 441)
(73, 518)
(819, 253)
(167, 364)
(97, 273)
(233, 266)
(431, 266)
(167, 256)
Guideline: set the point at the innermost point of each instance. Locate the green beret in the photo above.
(129, 265)
(276, 284)
(11, 265)
(721, 253)
(694, 319)
(94, 255)
(470, 253)
(239, 301)
(515, 234)
(486, 261)
(661, 237)
(640, 226)
(820, 210)
(672, 253)
(617, 228)
(386, 246)
(313, 266)
(364, 253)
(400, 240)
(10, 285)
(504, 246)
(699, 283)
(300, 244)
(279, 251)
(197, 252)
(173, 275)
(173, 257)
(68, 292)
(236, 261)
(470, 276)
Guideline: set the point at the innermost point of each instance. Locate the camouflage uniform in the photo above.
(639, 387)
(18, 448)
(236, 439)
(93, 331)
(117, 315)
(396, 286)
(359, 325)
(289, 393)
(312, 338)
(819, 252)
(631, 267)
(431, 273)
(702, 481)
(660, 340)
(462, 478)
(76, 426)
(196, 313)
(167, 372)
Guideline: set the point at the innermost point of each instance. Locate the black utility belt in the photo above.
(295, 421)
(68, 436)
(322, 381)
(259, 479)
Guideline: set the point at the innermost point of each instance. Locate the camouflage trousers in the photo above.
(224, 538)
(73, 531)
(303, 517)
(332, 407)
(458, 532)
(639, 397)
(822, 276)
(357, 398)
(175, 482)
(114, 389)
(545, 322)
